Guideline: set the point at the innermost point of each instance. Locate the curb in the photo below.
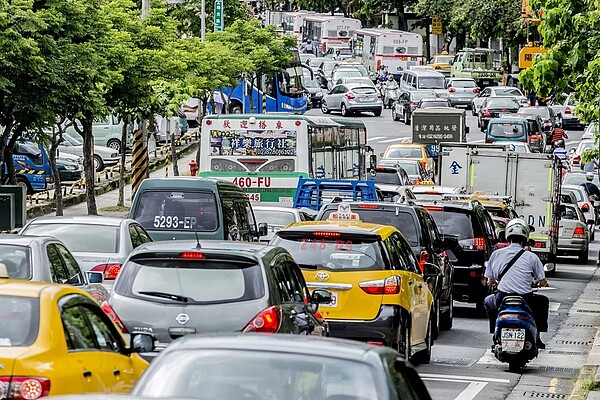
(588, 372)
(110, 185)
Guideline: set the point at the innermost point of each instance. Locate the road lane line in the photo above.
(460, 377)
(471, 391)
(392, 140)
(376, 138)
(554, 306)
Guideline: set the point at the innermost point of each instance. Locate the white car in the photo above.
(461, 91)
(103, 156)
(576, 154)
(573, 235)
(497, 91)
(584, 205)
(278, 217)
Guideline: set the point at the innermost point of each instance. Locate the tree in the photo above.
(324, 6)
(189, 14)
(371, 7)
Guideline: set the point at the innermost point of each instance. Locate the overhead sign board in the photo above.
(433, 129)
(436, 25)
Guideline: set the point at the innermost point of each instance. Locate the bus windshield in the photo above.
(290, 80)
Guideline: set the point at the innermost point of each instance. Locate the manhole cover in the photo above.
(589, 311)
(545, 395)
(566, 352)
(574, 342)
(458, 361)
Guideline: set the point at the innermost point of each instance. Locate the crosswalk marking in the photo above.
(554, 306)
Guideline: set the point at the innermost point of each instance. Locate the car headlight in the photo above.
(70, 167)
(114, 155)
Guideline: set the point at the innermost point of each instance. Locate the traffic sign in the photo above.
(436, 25)
(219, 25)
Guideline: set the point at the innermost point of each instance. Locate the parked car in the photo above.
(98, 244)
(284, 367)
(573, 233)
(350, 99)
(69, 171)
(498, 91)
(56, 340)
(103, 156)
(278, 217)
(413, 168)
(461, 91)
(182, 287)
(419, 229)
(107, 132)
(493, 107)
(407, 102)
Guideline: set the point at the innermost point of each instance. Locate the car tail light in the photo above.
(108, 310)
(326, 234)
(535, 137)
(477, 243)
(424, 258)
(476, 90)
(368, 206)
(539, 245)
(567, 110)
(380, 344)
(475, 273)
(111, 271)
(389, 285)
(576, 160)
(434, 208)
(578, 232)
(267, 321)
(488, 140)
(193, 255)
(413, 106)
(485, 113)
(23, 387)
(585, 207)
(350, 96)
(451, 90)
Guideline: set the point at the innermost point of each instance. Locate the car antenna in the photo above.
(197, 241)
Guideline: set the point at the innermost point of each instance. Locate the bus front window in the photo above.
(290, 81)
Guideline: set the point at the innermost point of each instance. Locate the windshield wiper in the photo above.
(170, 296)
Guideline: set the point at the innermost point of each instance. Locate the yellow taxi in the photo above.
(442, 62)
(497, 206)
(379, 294)
(412, 151)
(54, 339)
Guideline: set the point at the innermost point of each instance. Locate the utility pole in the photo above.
(203, 21)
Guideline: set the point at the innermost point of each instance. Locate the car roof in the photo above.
(213, 246)
(14, 287)
(379, 205)
(350, 227)
(23, 240)
(394, 146)
(508, 120)
(274, 208)
(80, 219)
(454, 204)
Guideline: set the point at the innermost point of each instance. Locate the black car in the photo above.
(471, 224)
(550, 119)
(407, 101)
(177, 288)
(254, 367)
(389, 180)
(311, 84)
(493, 107)
(68, 171)
(413, 168)
(419, 229)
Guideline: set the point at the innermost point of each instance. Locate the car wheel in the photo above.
(424, 356)
(324, 108)
(344, 110)
(406, 118)
(404, 347)
(377, 113)
(583, 256)
(394, 115)
(98, 163)
(473, 110)
(435, 328)
(24, 182)
(480, 308)
(235, 108)
(114, 144)
(448, 316)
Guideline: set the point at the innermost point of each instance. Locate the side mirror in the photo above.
(431, 270)
(141, 343)
(321, 296)
(95, 277)
(263, 229)
(372, 162)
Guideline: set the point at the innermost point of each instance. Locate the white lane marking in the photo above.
(554, 306)
(460, 377)
(376, 138)
(471, 391)
(391, 140)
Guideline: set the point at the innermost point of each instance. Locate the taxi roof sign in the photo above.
(344, 212)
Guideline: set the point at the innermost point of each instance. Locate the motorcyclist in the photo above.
(338, 56)
(518, 279)
(391, 84)
(560, 153)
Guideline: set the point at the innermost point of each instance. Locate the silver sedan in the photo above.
(573, 233)
(351, 98)
(103, 156)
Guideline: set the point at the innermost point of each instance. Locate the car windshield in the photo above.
(494, 102)
(80, 237)
(244, 374)
(16, 260)
(72, 140)
(274, 217)
(431, 82)
(361, 81)
(506, 130)
(544, 113)
(443, 59)
(177, 211)
(19, 321)
(416, 96)
(308, 82)
(347, 73)
(401, 220)
(337, 253)
(452, 223)
(404, 152)
(195, 282)
(459, 83)
(432, 104)
(364, 90)
(508, 92)
(388, 178)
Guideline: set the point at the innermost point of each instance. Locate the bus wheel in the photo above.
(235, 108)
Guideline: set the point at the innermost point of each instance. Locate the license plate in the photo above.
(368, 98)
(334, 301)
(464, 99)
(513, 340)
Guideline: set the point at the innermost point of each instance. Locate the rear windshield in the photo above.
(499, 212)
(577, 193)
(177, 211)
(388, 178)
(501, 103)
(341, 253)
(508, 92)
(506, 130)
(347, 73)
(275, 218)
(541, 112)
(19, 321)
(463, 84)
(430, 104)
(410, 168)
(16, 261)
(567, 212)
(80, 237)
(453, 223)
(431, 82)
(194, 282)
(403, 221)
(405, 152)
(364, 90)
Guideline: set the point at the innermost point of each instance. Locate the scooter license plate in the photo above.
(512, 339)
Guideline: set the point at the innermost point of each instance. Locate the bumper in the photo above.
(356, 106)
(70, 176)
(568, 246)
(469, 285)
(383, 329)
(460, 101)
(109, 162)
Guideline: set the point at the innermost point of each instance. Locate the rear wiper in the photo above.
(309, 266)
(170, 296)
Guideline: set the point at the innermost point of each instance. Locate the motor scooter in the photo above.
(390, 95)
(515, 334)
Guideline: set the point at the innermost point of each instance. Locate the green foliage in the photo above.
(188, 15)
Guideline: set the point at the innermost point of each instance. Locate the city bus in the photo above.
(390, 48)
(290, 21)
(266, 154)
(329, 31)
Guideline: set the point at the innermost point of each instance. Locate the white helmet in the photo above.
(517, 227)
(589, 176)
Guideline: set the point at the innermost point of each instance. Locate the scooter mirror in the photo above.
(549, 267)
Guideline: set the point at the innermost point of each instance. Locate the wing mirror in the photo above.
(95, 277)
(141, 343)
(321, 296)
(431, 270)
(263, 229)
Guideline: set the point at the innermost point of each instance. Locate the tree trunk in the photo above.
(402, 26)
(121, 199)
(8, 151)
(174, 156)
(3, 141)
(56, 137)
(88, 164)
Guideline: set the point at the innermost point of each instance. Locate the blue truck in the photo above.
(31, 166)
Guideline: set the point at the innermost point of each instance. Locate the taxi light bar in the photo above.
(23, 387)
(389, 285)
(326, 234)
(267, 321)
(193, 255)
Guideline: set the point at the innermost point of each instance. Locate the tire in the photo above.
(447, 318)
(404, 347)
(114, 144)
(324, 108)
(344, 110)
(23, 182)
(583, 256)
(435, 326)
(424, 356)
(480, 308)
(235, 108)
(394, 115)
(515, 366)
(406, 118)
(98, 163)
(377, 113)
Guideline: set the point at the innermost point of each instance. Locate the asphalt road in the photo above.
(463, 366)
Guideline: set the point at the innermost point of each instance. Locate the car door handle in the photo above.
(87, 374)
(116, 372)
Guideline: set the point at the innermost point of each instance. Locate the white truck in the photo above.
(531, 180)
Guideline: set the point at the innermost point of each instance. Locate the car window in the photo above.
(463, 84)
(16, 260)
(404, 152)
(236, 219)
(57, 269)
(134, 237)
(506, 130)
(287, 283)
(144, 237)
(499, 102)
(274, 217)
(79, 237)
(19, 320)
(453, 223)
(78, 332)
(407, 258)
(388, 178)
(396, 260)
(106, 337)
(74, 273)
(488, 225)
